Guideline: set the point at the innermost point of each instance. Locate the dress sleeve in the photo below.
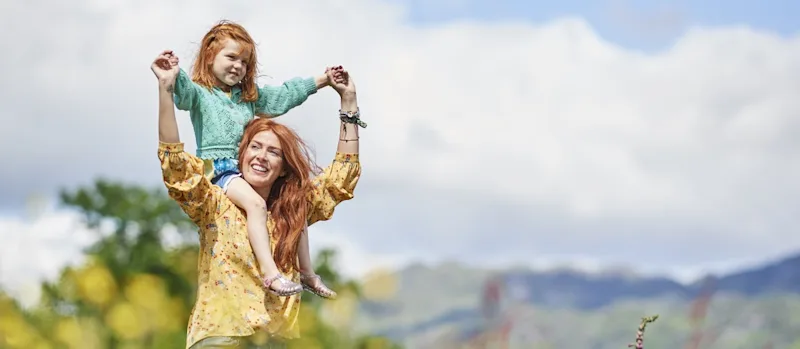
(186, 183)
(334, 185)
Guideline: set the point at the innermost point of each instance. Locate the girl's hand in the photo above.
(326, 79)
(166, 69)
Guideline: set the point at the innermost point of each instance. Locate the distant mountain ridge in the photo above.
(589, 291)
(431, 297)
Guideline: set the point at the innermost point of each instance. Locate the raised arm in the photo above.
(187, 92)
(349, 113)
(183, 173)
(338, 181)
(277, 100)
(166, 69)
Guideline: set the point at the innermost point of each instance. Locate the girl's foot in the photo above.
(313, 283)
(281, 286)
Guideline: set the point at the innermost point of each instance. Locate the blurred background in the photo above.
(536, 174)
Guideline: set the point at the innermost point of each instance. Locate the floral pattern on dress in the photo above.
(231, 300)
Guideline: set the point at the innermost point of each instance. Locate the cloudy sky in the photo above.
(593, 133)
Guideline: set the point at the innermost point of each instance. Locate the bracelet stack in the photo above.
(350, 117)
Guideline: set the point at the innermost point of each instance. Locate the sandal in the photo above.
(287, 287)
(313, 283)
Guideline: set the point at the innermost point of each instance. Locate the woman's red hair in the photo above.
(288, 199)
(210, 47)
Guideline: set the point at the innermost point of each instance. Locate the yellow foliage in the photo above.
(126, 322)
(15, 332)
(184, 262)
(81, 333)
(377, 343)
(307, 319)
(96, 284)
(342, 311)
(380, 285)
(132, 345)
(69, 332)
(171, 318)
(305, 343)
(88, 309)
(148, 293)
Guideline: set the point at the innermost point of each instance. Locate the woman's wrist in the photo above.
(349, 101)
(167, 86)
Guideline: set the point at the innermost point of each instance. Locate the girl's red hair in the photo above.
(210, 47)
(288, 199)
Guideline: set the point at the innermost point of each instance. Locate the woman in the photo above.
(232, 307)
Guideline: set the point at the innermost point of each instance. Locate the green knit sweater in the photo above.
(218, 120)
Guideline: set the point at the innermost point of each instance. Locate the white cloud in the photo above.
(353, 259)
(590, 145)
(37, 249)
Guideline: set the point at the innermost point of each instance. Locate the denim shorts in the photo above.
(221, 171)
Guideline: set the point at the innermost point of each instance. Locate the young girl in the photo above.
(222, 97)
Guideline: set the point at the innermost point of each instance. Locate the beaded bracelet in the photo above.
(352, 117)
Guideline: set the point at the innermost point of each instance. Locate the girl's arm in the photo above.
(278, 100)
(187, 92)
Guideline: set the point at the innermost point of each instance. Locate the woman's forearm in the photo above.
(167, 125)
(348, 134)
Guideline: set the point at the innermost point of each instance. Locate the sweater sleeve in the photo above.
(277, 100)
(187, 92)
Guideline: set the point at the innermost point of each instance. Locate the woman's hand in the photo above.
(166, 69)
(341, 81)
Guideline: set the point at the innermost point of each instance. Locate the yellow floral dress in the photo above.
(231, 300)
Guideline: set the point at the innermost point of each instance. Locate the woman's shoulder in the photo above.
(219, 206)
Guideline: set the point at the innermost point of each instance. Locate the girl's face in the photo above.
(230, 64)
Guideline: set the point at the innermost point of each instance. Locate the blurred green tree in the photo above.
(134, 292)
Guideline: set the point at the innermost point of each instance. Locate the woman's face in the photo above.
(262, 162)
